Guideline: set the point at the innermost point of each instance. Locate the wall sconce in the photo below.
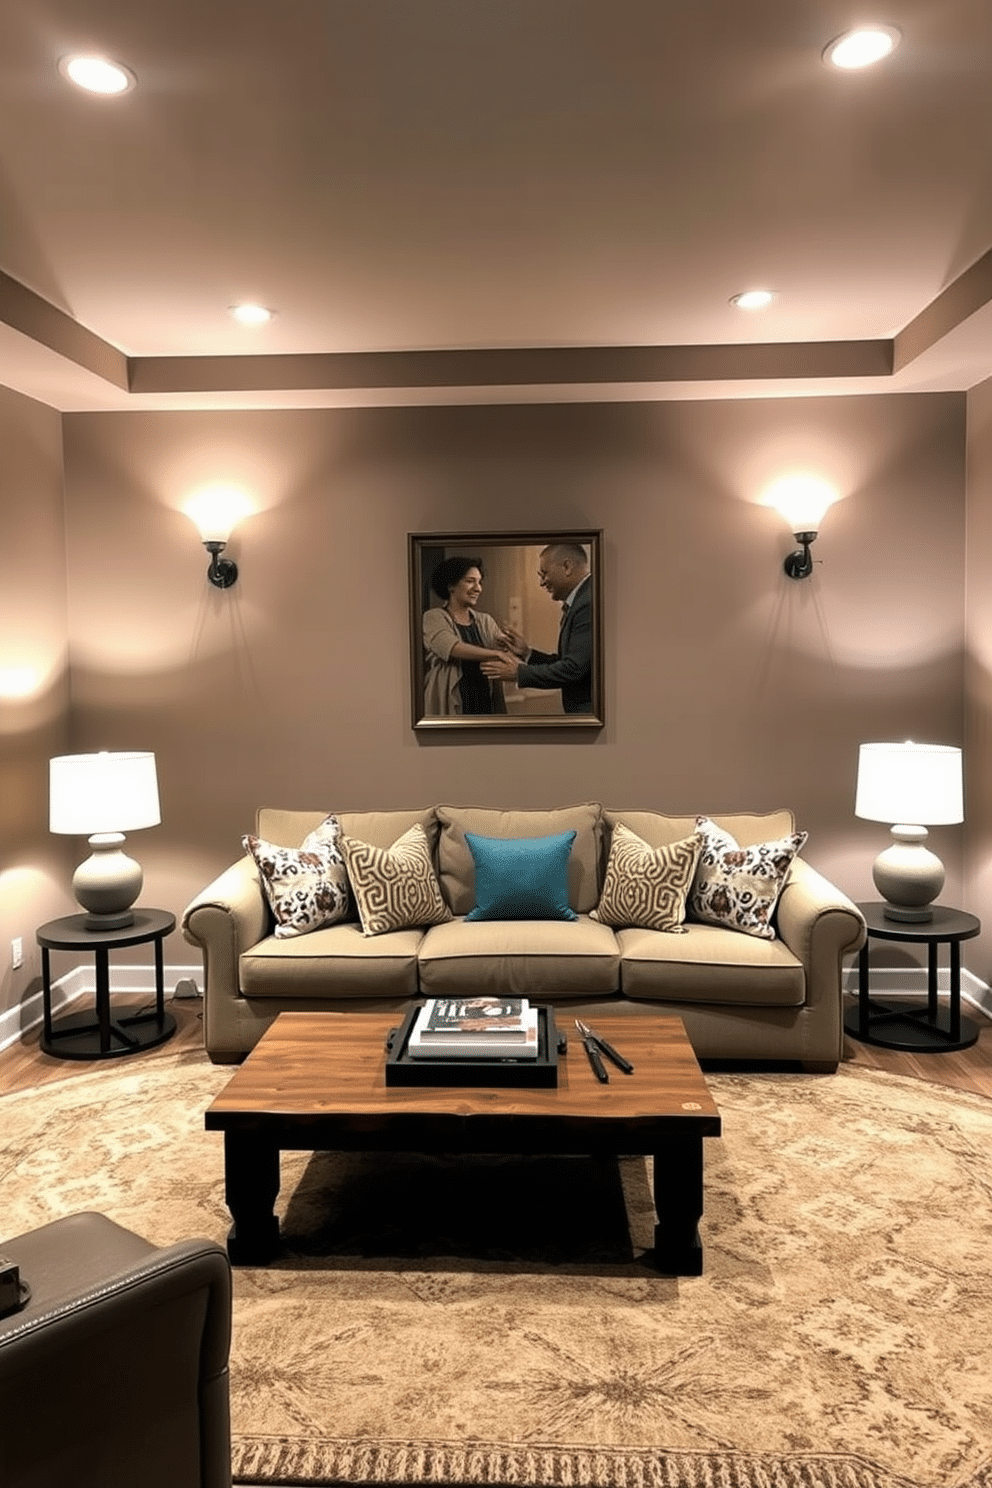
(801, 500)
(216, 510)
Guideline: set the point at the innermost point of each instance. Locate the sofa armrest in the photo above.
(821, 926)
(226, 918)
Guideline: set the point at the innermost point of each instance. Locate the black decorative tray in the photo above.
(539, 1072)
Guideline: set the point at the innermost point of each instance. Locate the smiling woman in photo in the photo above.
(458, 637)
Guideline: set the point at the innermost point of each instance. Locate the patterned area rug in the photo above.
(486, 1321)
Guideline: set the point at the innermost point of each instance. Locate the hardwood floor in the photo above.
(965, 1069)
(24, 1065)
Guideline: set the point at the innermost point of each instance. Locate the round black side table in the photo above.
(913, 1027)
(78, 1036)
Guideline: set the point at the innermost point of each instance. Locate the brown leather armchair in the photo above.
(114, 1373)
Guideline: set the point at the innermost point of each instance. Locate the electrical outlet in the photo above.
(16, 952)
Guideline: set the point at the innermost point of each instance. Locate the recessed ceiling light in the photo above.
(251, 315)
(752, 299)
(861, 47)
(98, 75)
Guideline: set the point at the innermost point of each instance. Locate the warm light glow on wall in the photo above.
(20, 681)
(32, 683)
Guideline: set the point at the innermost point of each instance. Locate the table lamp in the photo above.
(909, 784)
(101, 796)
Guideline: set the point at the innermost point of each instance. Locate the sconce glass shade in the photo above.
(801, 501)
(913, 786)
(216, 511)
(101, 796)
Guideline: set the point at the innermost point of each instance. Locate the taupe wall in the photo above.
(34, 687)
(978, 676)
(728, 686)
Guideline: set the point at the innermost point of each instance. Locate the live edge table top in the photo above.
(326, 1072)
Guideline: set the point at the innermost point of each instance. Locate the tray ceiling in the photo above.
(464, 200)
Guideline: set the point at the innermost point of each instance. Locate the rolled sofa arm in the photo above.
(226, 918)
(821, 926)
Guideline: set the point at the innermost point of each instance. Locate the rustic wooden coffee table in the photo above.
(315, 1082)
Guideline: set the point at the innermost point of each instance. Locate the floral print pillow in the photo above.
(307, 886)
(738, 887)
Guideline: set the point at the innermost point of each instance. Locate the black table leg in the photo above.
(46, 993)
(932, 1006)
(678, 1200)
(160, 981)
(251, 1179)
(955, 1030)
(102, 959)
(863, 1003)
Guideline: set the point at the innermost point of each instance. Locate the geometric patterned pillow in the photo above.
(395, 887)
(646, 887)
(739, 886)
(307, 886)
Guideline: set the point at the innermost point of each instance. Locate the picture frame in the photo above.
(529, 605)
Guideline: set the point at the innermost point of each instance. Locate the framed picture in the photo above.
(506, 629)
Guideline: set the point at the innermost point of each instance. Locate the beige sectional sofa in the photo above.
(739, 995)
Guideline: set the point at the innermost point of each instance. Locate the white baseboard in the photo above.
(911, 982)
(81, 982)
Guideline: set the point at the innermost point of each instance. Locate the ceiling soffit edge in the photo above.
(27, 312)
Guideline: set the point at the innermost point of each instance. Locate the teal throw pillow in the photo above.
(521, 878)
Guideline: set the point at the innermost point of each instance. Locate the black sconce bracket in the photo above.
(799, 565)
(222, 572)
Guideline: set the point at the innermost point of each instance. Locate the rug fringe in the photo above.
(289, 1462)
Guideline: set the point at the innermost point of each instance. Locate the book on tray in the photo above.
(487, 1015)
(474, 1028)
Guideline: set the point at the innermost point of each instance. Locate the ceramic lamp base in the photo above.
(107, 883)
(908, 876)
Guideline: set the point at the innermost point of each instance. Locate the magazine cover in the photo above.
(474, 1015)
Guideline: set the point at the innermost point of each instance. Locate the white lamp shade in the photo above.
(96, 793)
(912, 783)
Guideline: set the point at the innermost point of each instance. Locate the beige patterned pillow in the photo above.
(395, 887)
(307, 886)
(646, 887)
(738, 887)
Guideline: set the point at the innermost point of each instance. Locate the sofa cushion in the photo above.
(338, 962)
(739, 886)
(521, 878)
(288, 828)
(395, 887)
(520, 958)
(457, 868)
(658, 830)
(709, 965)
(647, 886)
(307, 886)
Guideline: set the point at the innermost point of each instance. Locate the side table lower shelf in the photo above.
(932, 1027)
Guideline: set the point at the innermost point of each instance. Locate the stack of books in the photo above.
(474, 1028)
